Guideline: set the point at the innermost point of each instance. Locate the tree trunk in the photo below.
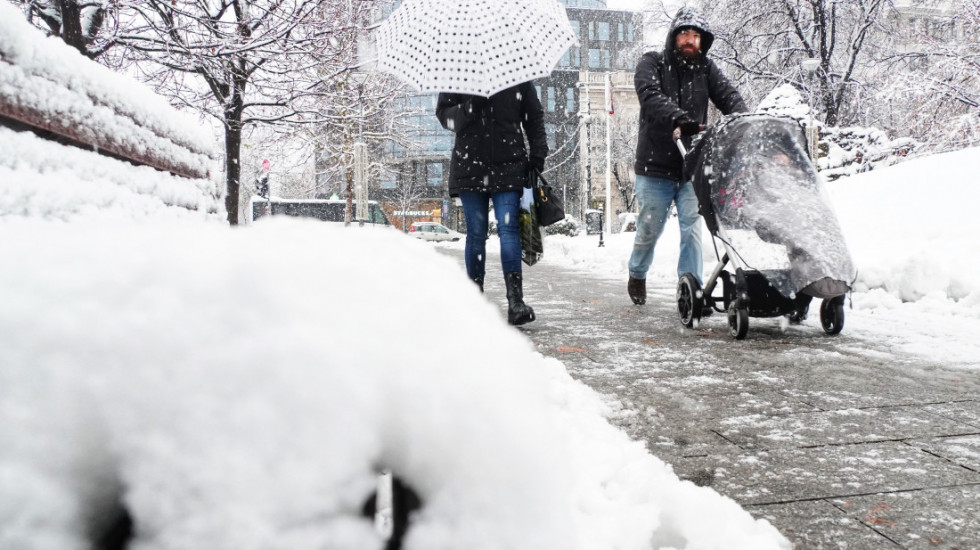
(71, 25)
(233, 166)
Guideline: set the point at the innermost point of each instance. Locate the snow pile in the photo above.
(45, 76)
(910, 246)
(785, 100)
(231, 389)
(44, 179)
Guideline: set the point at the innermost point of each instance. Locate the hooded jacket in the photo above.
(489, 153)
(669, 88)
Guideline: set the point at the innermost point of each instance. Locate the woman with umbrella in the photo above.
(490, 162)
(482, 56)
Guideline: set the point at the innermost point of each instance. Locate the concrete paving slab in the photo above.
(922, 520)
(838, 427)
(963, 450)
(784, 475)
(749, 399)
(819, 525)
(832, 388)
(967, 412)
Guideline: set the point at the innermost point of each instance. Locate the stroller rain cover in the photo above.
(759, 193)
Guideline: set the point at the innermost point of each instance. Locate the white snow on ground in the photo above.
(237, 388)
(913, 234)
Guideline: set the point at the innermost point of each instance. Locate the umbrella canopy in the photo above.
(474, 47)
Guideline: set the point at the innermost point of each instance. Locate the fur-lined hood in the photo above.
(690, 17)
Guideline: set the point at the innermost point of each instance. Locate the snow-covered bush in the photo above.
(840, 151)
(569, 226)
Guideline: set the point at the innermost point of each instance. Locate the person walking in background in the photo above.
(673, 87)
(490, 161)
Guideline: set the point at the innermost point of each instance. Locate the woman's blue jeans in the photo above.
(655, 196)
(476, 207)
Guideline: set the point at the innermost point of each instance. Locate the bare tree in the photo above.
(623, 135)
(930, 78)
(245, 62)
(766, 41)
(408, 192)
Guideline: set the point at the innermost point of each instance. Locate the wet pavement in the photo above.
(838, 441)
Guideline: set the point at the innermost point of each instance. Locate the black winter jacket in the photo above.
(489, 154)
(668, 89)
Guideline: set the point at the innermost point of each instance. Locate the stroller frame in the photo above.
(745, 293)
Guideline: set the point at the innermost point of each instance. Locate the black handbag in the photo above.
(546, 203)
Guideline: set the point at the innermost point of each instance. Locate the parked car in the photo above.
(432, 231)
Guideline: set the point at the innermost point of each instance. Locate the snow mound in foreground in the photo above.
(238, 388)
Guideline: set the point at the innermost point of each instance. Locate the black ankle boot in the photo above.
(518, 312)
(478, 281)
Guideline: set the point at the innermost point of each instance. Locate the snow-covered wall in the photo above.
(44, 179)
(47, 84)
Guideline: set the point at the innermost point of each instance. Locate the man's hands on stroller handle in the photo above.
(685, 126)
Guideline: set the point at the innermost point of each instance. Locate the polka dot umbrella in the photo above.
(474, 47)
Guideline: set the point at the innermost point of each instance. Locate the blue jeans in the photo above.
(476, 206)
(654, 196)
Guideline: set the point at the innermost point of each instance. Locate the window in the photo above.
(595, 58)
(570, 100)
(620, 31)
(435, 174)
(577, 27)
(551, 99)
(388, 180)
(576, 59)
(603, 30)
(549, 130)
(629, 32)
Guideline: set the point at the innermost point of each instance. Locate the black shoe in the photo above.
(518, 312)
(478, 281)
(637, 289)
(707, 310)
(797, 317)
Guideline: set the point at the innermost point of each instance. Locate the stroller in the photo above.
(761, 197)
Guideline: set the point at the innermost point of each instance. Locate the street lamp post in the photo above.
(811, 65)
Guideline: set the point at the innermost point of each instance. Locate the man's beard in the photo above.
(689, 54)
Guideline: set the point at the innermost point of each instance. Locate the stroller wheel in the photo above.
(738, 320)
(832, 315)
(689, 302)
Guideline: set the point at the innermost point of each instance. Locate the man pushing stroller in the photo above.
(673, 87)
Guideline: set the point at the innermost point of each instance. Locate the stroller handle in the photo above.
(677, 139)
(680, 147)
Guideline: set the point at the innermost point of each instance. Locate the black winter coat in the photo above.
(489, 154)
(668, 89)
